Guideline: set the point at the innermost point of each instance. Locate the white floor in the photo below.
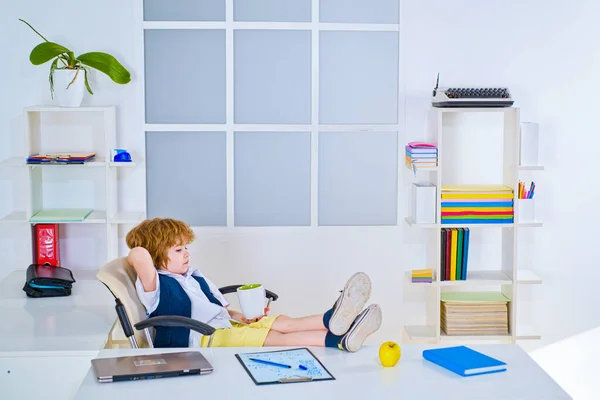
(572, 364)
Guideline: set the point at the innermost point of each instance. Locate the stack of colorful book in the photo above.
(421, 155)
(422, 275)
(455, 254)
(474, 313)
(477, 204)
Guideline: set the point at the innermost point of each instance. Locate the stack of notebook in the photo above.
(474, 313)
(421, 155)
(477, 204)
(60, 158)
(422, 275)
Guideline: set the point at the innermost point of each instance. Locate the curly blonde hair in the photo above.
(157, 235)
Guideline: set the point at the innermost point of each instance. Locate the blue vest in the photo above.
(174, 301)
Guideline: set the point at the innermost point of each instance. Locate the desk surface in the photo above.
(358, 376)
(75, 324)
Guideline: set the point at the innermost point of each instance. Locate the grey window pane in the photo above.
(272, 178)
(272, 10)
(186, 177)
(359, 11)
(272, 77)
(185, 76)
(358, 178)
(184, 10)
(358, 78)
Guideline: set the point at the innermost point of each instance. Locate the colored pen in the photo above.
(302, 367)
(271, 363)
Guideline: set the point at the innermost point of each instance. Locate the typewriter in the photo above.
(470, 97)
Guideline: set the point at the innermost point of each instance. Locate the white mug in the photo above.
(252, 300)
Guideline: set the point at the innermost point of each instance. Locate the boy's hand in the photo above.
(249, 321)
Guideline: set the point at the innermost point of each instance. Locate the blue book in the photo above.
(464, 361)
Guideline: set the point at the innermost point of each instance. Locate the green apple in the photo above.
(389, 354)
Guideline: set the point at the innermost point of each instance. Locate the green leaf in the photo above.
(108, 64)
(87, 84)
(46, 51)
(51, 78)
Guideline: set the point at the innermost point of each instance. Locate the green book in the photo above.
(473, 297)
(61, 215)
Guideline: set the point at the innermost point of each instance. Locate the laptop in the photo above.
(150, 366)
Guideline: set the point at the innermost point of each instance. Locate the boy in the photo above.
(166, 285)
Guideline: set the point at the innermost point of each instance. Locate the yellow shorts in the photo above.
(241, 335)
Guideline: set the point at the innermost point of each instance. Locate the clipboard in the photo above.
(265, 374)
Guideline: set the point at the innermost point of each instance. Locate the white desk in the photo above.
(358, 376)
(76, 325)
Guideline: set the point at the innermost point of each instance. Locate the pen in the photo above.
(302, 367)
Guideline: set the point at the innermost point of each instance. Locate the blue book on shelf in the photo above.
(464, 361)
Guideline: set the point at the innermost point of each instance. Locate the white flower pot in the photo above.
(68, 89)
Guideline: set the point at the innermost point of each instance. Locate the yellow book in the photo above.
(426, 271)
(476, 188)
(453, 250)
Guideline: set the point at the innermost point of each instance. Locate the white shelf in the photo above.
(90, 164)
(420, 332)
(527, 277)
(95, 217)
(531, 167)
(510, 279)
(68, 109)
(14, 217)
(525, 332)
(127, 217)
(475, 109)
(532, 224)
(123, 164)
(411, 223)
(480, 278)
(428, 169)
(474, 338)
(483, 278)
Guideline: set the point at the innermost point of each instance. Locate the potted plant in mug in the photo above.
(69, 73)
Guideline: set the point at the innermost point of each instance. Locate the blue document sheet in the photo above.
(284, 366)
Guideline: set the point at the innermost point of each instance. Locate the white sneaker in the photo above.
(364, 325)
(350, 303)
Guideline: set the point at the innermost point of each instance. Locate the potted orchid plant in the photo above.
(69, 73)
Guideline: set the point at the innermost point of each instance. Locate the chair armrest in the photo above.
(233, 288)
(176, 322)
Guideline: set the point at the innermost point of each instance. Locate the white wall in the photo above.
(543, 51)
(109, 26)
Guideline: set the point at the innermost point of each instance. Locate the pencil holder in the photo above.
(526, 211)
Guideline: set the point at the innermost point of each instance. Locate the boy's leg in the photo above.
(366, 323)
(305, 338)
(285, 324)
(339, 318)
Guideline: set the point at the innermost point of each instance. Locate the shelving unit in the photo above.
(50, 129)
(508, 277)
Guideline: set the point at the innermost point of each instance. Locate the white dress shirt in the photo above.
(202, 309)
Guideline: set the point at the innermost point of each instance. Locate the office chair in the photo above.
(119, 277)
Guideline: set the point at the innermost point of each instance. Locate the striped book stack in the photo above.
(420, 155)
(477, 204)
(422, 275)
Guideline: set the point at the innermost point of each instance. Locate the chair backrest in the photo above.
(120, 276)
